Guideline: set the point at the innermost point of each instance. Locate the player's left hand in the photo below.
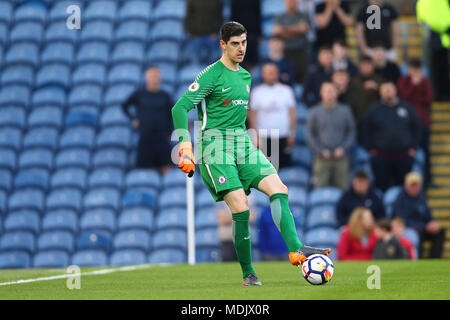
(187, 158)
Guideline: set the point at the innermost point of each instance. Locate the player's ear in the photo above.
(222, 44)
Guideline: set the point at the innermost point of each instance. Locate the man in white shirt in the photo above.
(273, 114)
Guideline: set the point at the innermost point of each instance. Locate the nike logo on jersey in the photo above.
(247, 238)
(225, 89)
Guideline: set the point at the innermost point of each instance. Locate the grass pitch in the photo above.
(424, 279)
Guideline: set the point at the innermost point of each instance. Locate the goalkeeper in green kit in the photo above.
(229, 162)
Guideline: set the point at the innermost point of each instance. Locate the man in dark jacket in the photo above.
(360, 194)
(411, 206)
(391, 134)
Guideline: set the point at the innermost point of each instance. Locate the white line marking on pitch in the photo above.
(95, 272)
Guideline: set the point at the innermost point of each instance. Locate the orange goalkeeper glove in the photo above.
(187, 158)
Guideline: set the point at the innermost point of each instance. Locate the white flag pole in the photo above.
(190, 211)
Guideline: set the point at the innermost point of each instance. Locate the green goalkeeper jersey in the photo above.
(221, 97)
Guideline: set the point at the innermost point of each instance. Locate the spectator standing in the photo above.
(202, 23)
(330, 133)
(318, 74)
(412, 207)
(388, 246)
(271, 243)
(293, 27)
(341, 79)
(386, 69)
(391, 134)
(273, 107)
(153, 120)
(341, 61)
(285, 66)
(398, 229)
(332, 17)
(416, 89)
(386, 34)
(360, 194)
(358, 239)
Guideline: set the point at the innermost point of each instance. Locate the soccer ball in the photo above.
(318, 269)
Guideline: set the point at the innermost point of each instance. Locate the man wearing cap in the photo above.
(411, 206)
(360, 194)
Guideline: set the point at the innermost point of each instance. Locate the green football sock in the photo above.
(284, 221)
(242, 242)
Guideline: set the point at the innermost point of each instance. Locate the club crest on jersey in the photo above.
(194, 87)
(221, 180)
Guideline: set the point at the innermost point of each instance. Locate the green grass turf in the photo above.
(425, 279)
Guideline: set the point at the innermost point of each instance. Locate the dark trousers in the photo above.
(425, 145)
(437, 242)
(389, 171)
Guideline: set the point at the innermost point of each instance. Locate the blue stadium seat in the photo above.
(49, 96)
(125, 73)
(140, 197)
(17, 240)
(128, 52)
(172, 197)
(74, 157)
(172, 255)
(169, 72)
(89, 258)
(56, 240)
(208, 255)
(94, 240)
(27, 31)
(205, 218)
(326, 195)
(188, 73)
(321, 216)
(53, 74)
(143, 178)
(14, 260)
(302, 114)
(41, 138)
(299, 214)
(69, 178)
(32, 178)
(136, 218)
(77, 137)
(97, 31)
(26, 199)
(298, 196)
(36, 158)
(135, 30)
(412, 235)
(389, 197)
(136, 10)
(85, 94)
(117, 94)
(167, 30)
(98, 219)
(302, 156)
(164, 51)
(5, 180)
(271, 8)
(13, 117)
(169, 9)
(51, 259)
(6, 11)
(58, 9)
(207, 238)
(102, 198)
(169, 238)
(110, 157)
(10, 138)
(93, 52)
(174, 178)
(360, 157)
(3, 202)
(127, 257)
(295, 176)
(17, 74)
(3, 33)
(89, 73)
(203, 199)
(267, 27)
(420, 157)
(101, 10)
(58, 32)
(114, 116)
(7, 158)
(67, 198)
(60, 219)
(24, 220)
(31, 11)
(82, 116)
(322, 237)
(45, 117)
(132, 239)
(15, 95)
(117, 137)
(171, 218)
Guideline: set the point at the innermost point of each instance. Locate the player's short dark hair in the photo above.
(231, 29)
(415, 63)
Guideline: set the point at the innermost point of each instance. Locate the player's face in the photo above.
(235, 48)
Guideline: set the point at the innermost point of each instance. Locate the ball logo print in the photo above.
(318, 269)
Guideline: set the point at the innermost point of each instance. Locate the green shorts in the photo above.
(232, 163)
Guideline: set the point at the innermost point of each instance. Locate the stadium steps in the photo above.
(439, 194)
